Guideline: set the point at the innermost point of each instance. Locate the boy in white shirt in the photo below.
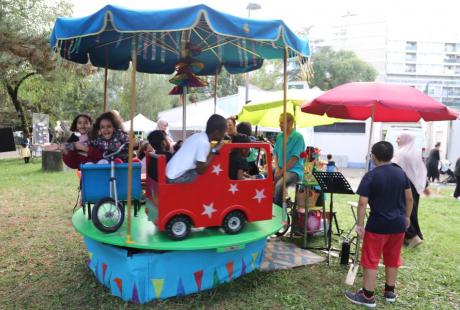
(196, 153)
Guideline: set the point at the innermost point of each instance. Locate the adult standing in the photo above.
(432, 163)
(162, 125)
(294, 164)
(457, 177)
(231, 128)
(409, 158)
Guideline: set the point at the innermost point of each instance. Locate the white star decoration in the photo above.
(233, 188)
(209, 210)
(259, 195)
(216, 169)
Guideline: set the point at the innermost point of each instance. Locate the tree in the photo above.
(332, 68)
(269, 76)
(24, 49)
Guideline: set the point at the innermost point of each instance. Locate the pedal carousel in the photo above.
(186, 237)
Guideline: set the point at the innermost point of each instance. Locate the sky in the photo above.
(435, 17)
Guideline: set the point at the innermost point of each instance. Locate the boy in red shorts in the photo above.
(387, 190)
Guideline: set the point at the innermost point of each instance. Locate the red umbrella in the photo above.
(383, 102)
(380, 101)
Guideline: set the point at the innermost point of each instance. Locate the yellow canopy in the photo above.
(266, 114)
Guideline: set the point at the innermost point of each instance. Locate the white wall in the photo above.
(453, 151)
(348, 150)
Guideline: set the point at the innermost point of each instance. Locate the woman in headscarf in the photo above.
(162, 125)
(409, 158)
(432, 163)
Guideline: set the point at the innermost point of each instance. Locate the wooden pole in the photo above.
(132, 111)
(215, 93)
(285, 136)
(105, 88)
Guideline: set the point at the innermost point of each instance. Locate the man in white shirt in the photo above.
(196, 153)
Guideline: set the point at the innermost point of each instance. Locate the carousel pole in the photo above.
(371, 131)
(106, 71)
(285, 136)
(132, 111)
(105, 88)
(184, 113)
(215, 93)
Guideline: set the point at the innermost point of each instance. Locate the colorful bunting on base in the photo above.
(104, 269)
(229, 267)
(135, 298)
(254, 257)
(215, 281)
(198, 278)
(147, 276)
(180, 288)
(119, 283)
(158, 286)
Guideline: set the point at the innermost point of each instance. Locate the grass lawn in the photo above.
(43, 260)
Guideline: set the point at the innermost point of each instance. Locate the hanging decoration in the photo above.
(186, 70)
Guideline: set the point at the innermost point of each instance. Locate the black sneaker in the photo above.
(389, 296)
(360, 299)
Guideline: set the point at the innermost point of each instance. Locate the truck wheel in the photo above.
(234, 222)
(178, 228)
(108, 216)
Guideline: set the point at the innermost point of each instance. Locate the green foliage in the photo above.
(332, 68)
(151, 89)
(269, 76)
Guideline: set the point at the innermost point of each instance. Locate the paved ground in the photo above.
(13, 154)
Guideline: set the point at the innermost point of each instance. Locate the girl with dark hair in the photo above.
(107, 136)
(73, 157)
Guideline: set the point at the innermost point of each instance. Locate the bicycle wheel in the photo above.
(108, 216)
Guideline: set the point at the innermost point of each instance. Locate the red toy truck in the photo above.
(213, 199)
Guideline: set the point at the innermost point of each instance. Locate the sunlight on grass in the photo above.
(43, 260)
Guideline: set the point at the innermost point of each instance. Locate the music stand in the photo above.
(333, 183)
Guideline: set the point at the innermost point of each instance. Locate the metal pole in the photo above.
(184, 113)
(132, 111)
(370, 139)
(215, 93)
(285, 136)
(105, 88)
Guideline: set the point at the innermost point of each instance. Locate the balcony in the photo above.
(411, 45)
(452, 47)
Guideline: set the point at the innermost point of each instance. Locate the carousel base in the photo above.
(148, 275)
(154, 267)
(144, 234)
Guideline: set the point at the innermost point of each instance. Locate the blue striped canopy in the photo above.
(240, 45)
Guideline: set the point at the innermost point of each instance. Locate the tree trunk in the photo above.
(13, 90)
(52, 161)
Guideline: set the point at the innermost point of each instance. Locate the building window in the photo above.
(411, 57)
(410, 68)
(411, 45)
(452, 47)
(342, 128)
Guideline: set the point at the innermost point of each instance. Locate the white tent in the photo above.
(199, 112)
(141, 124)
